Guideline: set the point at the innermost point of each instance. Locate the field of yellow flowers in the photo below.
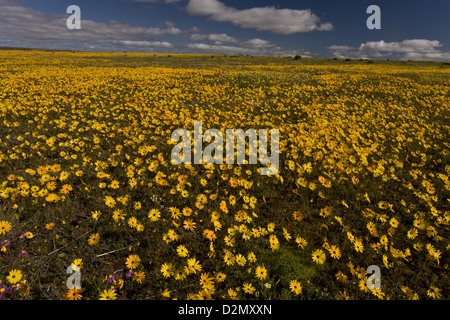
(86, 178)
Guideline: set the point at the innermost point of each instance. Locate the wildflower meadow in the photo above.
(93, 207)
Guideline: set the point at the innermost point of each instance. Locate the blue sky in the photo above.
(416, 30)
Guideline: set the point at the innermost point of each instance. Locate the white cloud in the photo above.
(414, 45)
(222, 37)
(341, 48)
(195, 30)
(140, 43)
(245, 49)
(227, 49)
(280, 21)
(216, 37)
(169, 24)
(258, 43)
(25, 27)
(219, 49)
(411, 49)
(225, 44)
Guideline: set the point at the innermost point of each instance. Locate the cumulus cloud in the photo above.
(224, 49)
(411, 49)
(258, 43)
(218, 49)
(219, 38)
(255, 47)
(222, 43)
(280, 21)
(25, 27)
(140, 43)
